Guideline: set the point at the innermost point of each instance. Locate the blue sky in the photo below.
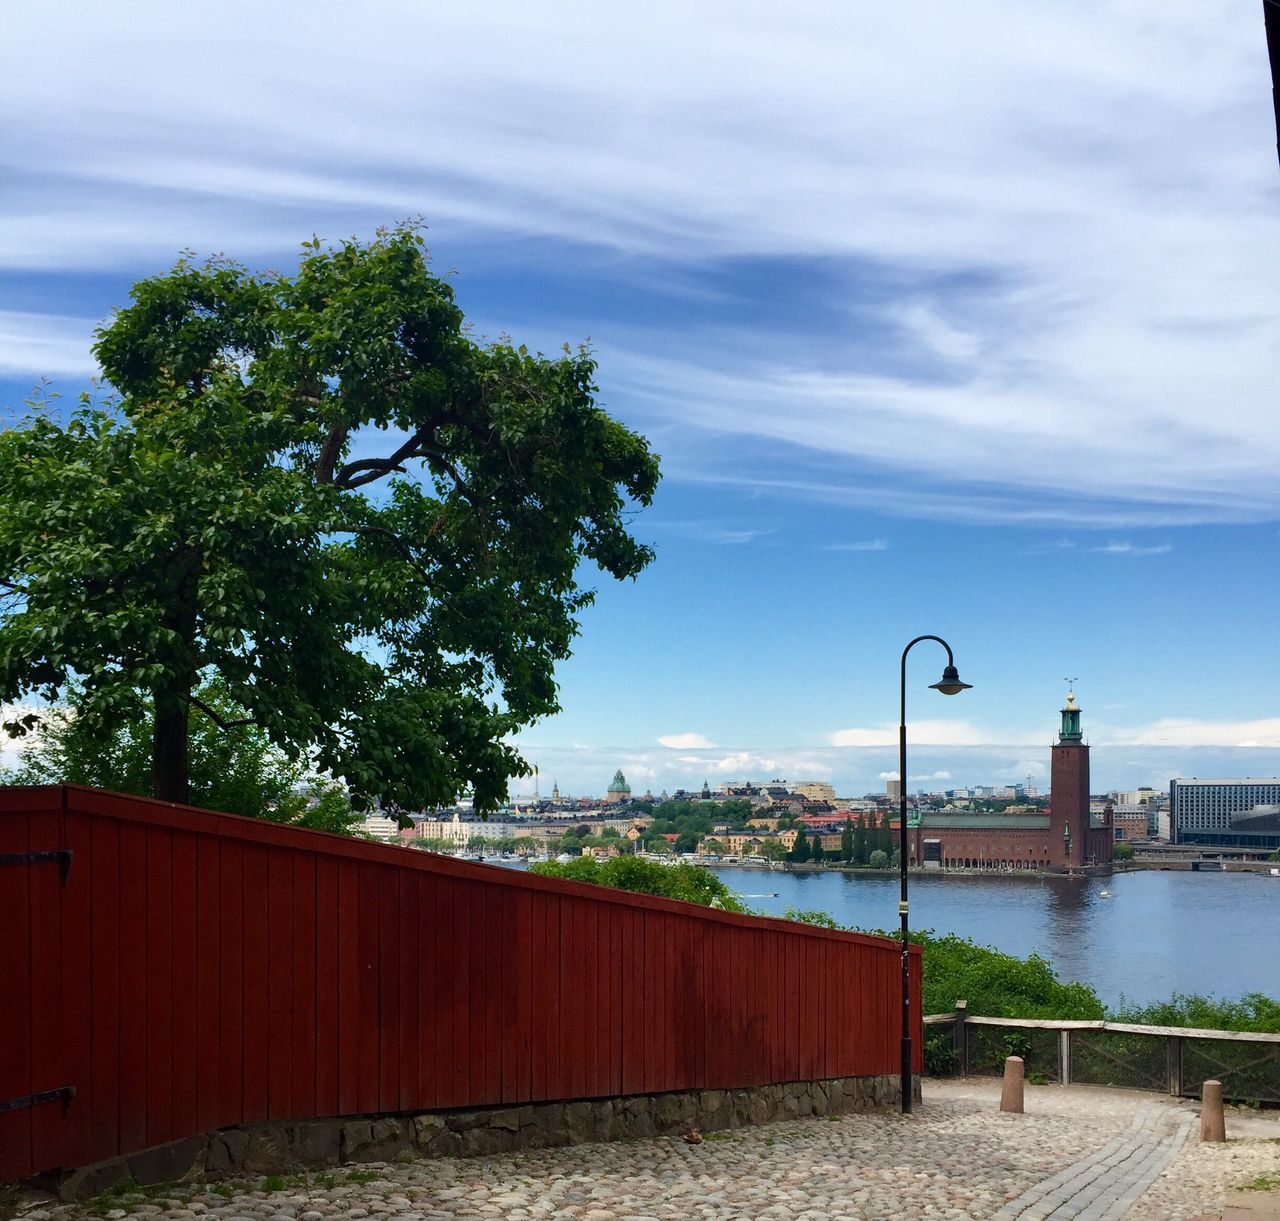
(950, 319)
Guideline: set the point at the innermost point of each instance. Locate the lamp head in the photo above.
(950, 683)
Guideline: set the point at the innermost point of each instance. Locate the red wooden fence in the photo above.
(192, 970)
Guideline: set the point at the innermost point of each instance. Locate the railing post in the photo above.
(1064, 1056)
(960, 1038)
(1173, 1060)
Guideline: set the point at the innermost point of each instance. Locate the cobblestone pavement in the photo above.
(1092, 1152)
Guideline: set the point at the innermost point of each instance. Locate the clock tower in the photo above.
(1069, 791)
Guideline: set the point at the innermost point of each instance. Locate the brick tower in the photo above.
(1069, 790)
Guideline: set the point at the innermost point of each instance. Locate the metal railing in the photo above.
(1176, 1059)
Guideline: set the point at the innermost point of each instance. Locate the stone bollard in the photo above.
(1213, 1123)
(1011, 1087)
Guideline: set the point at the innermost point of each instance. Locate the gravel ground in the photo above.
(956, 1157)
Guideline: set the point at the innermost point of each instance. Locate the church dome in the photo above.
(619, 784)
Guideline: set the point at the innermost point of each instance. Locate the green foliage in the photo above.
(799, 850)
(236, 770)
(393, 619)
(996, 984)
(879, 859)
(1122, 852)
(1253, 1011)
(846, 841)
(690, 883)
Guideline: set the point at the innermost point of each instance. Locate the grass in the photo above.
(1264, 1182)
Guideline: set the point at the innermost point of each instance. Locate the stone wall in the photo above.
(269, 1148)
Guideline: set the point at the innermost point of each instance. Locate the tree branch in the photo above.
(406, 553)
(196, 702)
(330, 452)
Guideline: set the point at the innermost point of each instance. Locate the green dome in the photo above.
(619, 784)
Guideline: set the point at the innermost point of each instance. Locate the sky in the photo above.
(948, 319)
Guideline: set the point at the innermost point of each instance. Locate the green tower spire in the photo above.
(1071, 731)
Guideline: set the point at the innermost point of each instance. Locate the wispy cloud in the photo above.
(1132, 549)
(1015, 321)
(871, 544)
(35, 345)
(707, 532)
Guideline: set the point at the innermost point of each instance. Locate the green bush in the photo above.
(1253, 1011)
(689, 883)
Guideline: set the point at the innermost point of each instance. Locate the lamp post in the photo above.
(949, 684)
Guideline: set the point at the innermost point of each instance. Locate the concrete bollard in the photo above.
(1213, 1123)
(1011, 1087)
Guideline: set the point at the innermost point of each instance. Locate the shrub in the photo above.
(689, 883)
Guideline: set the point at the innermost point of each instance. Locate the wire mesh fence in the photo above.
(1134, 1061)
(1157, 1058)
(1249, 1072)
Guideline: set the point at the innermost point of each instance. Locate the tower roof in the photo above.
(1071, 731)
(619, 784)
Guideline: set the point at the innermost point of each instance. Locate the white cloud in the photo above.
(685, 741)
(45, 345)
(871, 544)
(941, 775)
(1118, 548)
(920, 733)
(1183, 732)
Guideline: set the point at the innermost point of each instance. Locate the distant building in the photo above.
(1242, 813)
(893, 790)
(1064, 838)
(619, 789)
(816, 790)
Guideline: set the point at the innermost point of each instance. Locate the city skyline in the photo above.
(992, 359)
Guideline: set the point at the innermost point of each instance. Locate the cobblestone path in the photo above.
(1105, 1185)
(1078, 1152)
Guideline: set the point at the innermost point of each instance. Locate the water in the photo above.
(1158, 933)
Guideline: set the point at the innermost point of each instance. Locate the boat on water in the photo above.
(1104, 894)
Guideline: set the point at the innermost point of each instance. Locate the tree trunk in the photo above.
(170, 756)
(170, 774)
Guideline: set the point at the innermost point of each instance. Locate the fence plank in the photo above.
(16, 1158)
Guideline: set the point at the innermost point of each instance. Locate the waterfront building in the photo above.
(1237, 813)
(1063, 838)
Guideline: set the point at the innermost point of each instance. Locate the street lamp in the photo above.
(949, 684)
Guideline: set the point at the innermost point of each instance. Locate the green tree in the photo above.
(846, 841)
(879, 859)
(319, 489)
(691, 883)
(816, 851)
(237, 770)
(1122, 852)
(861, 850)
(800, 849)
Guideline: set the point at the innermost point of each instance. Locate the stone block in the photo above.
(835, 1096)
(317, 1142)
(666, 1112)
(444, 1144)
(580, 1122)
(461, 1121)
(357, 1136)
(226, 1150)
(90, 1181)
(168, 1163)
(710, 1101)
(480, 1142)
(758, 1111)
(507, 1119)
(426, 1128)
(267, 1152)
